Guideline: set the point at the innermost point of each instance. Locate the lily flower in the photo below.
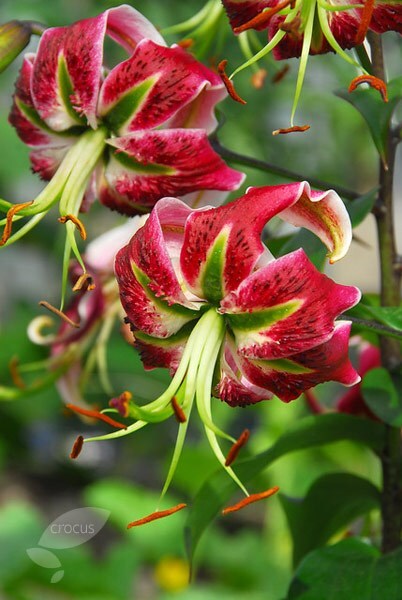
(79, 346)
(297, 28)
(127, 135)
(207, 300)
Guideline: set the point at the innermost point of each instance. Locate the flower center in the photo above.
(193, 380)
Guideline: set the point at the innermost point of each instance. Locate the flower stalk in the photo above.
(391, 458)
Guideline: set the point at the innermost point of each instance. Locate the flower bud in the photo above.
(14, 37)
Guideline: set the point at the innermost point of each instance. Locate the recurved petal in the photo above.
(150, 290)
(222, 246)
(290, 377)
(128, 27)
(149, 165)
(325, 215)
(286, 307)
(23, 116)
(154, 85)
(67, 73)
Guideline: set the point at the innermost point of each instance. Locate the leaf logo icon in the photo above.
(70, 529)
(43, 558)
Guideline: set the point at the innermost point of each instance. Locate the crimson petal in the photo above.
(151, 164)
(222, 246)
(149, 287)
(153, 85)
(288, 378)
(286, 307)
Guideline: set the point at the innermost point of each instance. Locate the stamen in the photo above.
(84, 279)
(9, 222)
(79, 224)
(94, 414)
(228, 84)
(366, 15)
(293, 129)
(235, 449)
(59, 313)
(258, 78)
(77, 447)
(186, 43)
(15, 374)
(259, 21)
(374, 82)
(178, 411)
(279, 75)
(121, 403)
(158, 514)
(292, 28)
(249, 500)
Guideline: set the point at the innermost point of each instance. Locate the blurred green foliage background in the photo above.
(247, 555)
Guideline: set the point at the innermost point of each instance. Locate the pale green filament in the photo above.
(200, 23)
(193, 379)
(203, 394)
(307, 10)
(308, 33)
(244, 43)
(331, 39)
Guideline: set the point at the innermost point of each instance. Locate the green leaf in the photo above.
(389, 315)
(387, 319)
(382, 397)
(307, 433)
(332, 502)
(311, 244)
(358, 209)
(375, 111)
(350, 570)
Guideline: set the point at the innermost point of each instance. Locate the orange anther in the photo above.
(186, 43)
(77, 447)
(250, 500)
(178, 411)
(279, 75)
(79, 224)
(365, 19)
(263, 18)
(228, 84)
(94, 414)
(374, 82)
(159, 514)
(235, 449)
(121, 403)
(293, 129)
(258, 78)
(9, 222)
(84, 280)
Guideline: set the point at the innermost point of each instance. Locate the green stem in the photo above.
(391, 457)
(255, 163)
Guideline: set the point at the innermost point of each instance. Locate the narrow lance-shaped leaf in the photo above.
(307, 433)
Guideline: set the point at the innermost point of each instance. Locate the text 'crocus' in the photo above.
(206, 299)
